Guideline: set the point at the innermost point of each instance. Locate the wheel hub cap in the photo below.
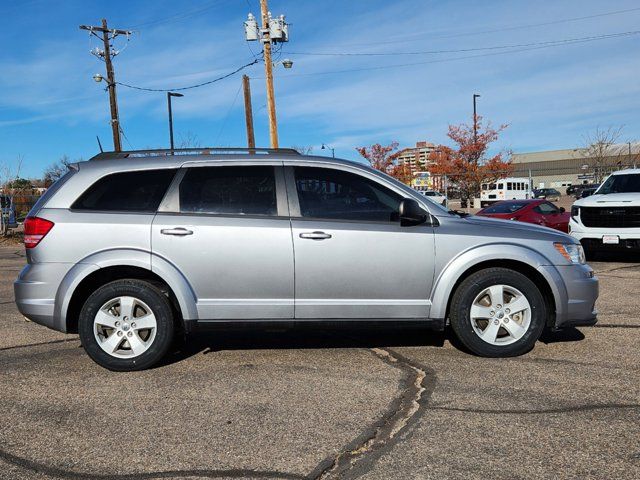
(125, 327)
(500, 315)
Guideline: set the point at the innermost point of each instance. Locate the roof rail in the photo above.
(194, 151)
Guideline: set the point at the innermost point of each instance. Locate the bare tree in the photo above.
(303, 149)
(54, 171)
(9, 173)
(189, 140)
(601, 151)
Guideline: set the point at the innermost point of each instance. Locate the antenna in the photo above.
(99, 144)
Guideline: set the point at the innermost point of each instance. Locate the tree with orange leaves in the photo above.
(467, 164)
(383, 158)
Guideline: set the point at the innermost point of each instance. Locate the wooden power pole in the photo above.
(248, 112)
(268, 68)
(106, 55)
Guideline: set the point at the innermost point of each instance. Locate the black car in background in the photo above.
(582, 191)
(547, 193)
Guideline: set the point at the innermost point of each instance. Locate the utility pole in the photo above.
(273, 30)
(248, 112)
(268, 69)
(106, 55)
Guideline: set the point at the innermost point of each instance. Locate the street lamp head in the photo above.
(98, 78)
(172, 94)
(287, 63)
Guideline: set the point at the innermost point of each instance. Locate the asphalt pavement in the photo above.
(327, 402)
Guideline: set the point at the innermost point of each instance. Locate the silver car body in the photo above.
(238, 267)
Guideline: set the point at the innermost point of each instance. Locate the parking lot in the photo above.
(327, 402)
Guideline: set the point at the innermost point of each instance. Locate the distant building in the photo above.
(417, 158)
(561, 168)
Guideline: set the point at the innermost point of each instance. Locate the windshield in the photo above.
(504, 207)
(629, 183)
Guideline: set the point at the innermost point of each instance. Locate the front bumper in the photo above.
(579, 299)
(591, 237)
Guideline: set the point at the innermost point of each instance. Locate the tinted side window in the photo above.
(229, 190)
(546, 208)
(336, 194)
(139, 191)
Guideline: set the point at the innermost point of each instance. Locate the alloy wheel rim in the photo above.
(125, 327)
(500, 315)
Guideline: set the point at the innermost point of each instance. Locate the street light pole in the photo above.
(333, 150)
(475, 119)
(169, 95)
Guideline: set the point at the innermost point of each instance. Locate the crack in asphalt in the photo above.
(206, 473)
(531, 411)
(51, 342)
(358, 457)
(354, 459)
(613, 325)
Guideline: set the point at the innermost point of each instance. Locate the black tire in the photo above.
(473, 286)
(153, 298)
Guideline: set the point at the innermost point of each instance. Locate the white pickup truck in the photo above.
(610, 218)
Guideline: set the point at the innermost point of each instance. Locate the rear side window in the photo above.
(229, 190)
(139, 191)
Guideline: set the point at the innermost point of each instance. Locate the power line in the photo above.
(209, 82)
(550, 43)
(226, 117)
(412, 64)
(408, 38)
(179, 16)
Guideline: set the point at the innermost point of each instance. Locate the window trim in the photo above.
(294, 203)
(171, 202)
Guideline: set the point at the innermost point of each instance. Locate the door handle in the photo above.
(315, 235)
(178, 231)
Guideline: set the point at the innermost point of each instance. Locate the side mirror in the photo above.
(562, 210)
(411, 213)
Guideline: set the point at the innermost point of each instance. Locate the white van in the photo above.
(505, 189)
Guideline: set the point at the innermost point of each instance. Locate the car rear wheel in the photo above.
(126, 325)
(498, 312)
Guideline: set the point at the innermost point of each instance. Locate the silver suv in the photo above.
(131, 249)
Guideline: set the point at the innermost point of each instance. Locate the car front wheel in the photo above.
(498, 312)
(126, 325)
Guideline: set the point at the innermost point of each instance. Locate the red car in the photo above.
(539, 211)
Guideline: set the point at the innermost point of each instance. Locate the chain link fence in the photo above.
(14, 207)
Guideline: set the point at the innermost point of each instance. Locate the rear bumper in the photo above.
(35, 292)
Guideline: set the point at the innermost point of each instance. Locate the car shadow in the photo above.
(304, 336)
(570, 334)
(322, 335)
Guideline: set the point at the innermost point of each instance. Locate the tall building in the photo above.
(417, 158)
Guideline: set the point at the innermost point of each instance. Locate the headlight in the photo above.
(575, 211)
(572, 252)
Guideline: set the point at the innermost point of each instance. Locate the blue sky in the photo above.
(551, 97)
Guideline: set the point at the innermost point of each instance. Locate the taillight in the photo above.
(35, 229)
